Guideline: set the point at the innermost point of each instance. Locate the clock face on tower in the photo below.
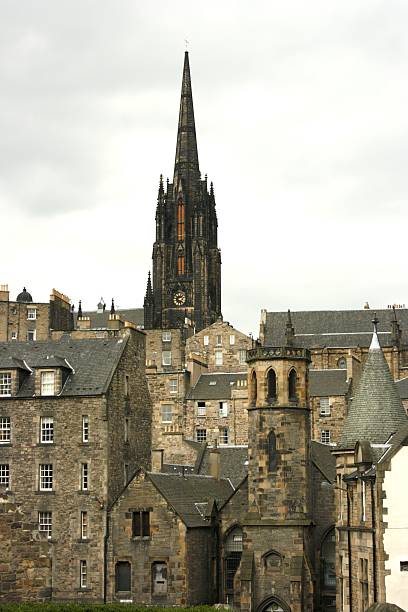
(179, 298)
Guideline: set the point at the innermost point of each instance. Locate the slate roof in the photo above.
(177, 468)
(99, 320)
(93, 361)
(384, 607)
(323, 459)
(334, 328)
(376, 410)
(205, 388)
(233, 463)
(327, 383)
(189, 495)
(402, 386)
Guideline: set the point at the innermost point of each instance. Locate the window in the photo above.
(85, 428)
(223, 435)
(166, 336)
(46, 475)
(14, 335)
(201, 435)
(47, 430)
(232, 339)
(218, 358)
(201, 409)
(219, 340)
(84, 525)
(5, 384)
(126, 385)
(5, 475)
(325, 436)
(31, 335)
(123, 576)
(159, 578)
(167, 413)
(363, 500)
(126, 431)
(364, 583)
(31, 314)
(45, 523)
(242, 356)
(173, 385)
(83, 574)
(141, 524)
(292, 385)
(84, 476)
(48, 383)
(223, 409)
(233, 552)
(324, 406)
(253, 392)
(272, 455)
(180, 220)
(5, 430)
(271, 385)
(342, 363)
(180, 264)
(403, 566)
(166, 358)
(206, 340)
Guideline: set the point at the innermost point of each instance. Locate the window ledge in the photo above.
(5, 444)
(141, 538)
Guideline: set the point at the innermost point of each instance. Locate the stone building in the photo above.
(329, 392)
(24, 319)
(75, 423)
(371, 463)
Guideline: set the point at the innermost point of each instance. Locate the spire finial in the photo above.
(211, 188)
(80, 308)
(375, 345)
(290, 330)
(112, 310)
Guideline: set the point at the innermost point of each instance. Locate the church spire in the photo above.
(186, 162)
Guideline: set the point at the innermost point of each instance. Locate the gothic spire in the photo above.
(290, 330)
(186, 162)
(149, 291)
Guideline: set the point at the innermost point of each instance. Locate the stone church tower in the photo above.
(186, 260)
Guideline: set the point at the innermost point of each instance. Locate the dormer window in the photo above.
(31, 314)
(5, 384)
(48, 382)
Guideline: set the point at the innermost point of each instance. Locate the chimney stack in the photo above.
(157, 459)
(215, 467)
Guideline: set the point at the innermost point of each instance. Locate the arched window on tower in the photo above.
(272, 456)
(180, 220)
(253, 389)
(271, 385)
(180, 264)
(292, 385)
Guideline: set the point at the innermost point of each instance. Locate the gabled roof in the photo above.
(233, 463)
(216, 386)
(325, 383)
(99, 320)
(323, 459)
(189, 495)
(376, 410)
(93, 362)
(402, 386)
(334, 328)
(8, 362)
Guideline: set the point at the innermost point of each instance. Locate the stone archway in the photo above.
(273, 604)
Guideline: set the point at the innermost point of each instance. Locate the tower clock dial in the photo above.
(179, 298)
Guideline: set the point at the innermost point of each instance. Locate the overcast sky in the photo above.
(301, 116)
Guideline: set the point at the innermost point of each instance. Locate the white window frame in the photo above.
(201, 435)
(324, 406)
(85, 428)
(325, 436)
(46, 475)
(5, 384)
(31, 313)
(173, 385)
(45, 523)
(14, 335)
(201, 408)
(47, 430)
(166, 411)
(166, 358)
(84, 525)
(224, 436)
(166, 336)
(242, 356)
(34, 335)
(47, 386)
(232, 339)
(5, 475)
(85, 476)
(83, 574)
(206, 340)
(218, 355)
(223, 409)
(5, 430)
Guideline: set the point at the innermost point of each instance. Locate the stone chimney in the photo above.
(4, 293)
(84, 323)
(215, 467)
(157, 459)
(115, 322)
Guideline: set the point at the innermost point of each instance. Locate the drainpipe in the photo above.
(374, 541)
(105, 557)
(350, 580)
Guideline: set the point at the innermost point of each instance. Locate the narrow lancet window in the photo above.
(271, 385)
(292, 385)
(180, 220)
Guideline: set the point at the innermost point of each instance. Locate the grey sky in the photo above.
(301, 124)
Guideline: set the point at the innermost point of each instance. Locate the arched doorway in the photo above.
(328, 571)
(273, 604)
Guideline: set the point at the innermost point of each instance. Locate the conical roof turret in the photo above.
(376, 409)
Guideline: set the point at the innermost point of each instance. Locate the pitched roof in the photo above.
(325, 383)
(334, 328)
(93, 361)
(376, 410)
(216, 386)
(233, 463)
(402, 386)
(323, 459)
(99, 320)
(189, 495)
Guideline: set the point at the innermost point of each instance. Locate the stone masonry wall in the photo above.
(333, 423)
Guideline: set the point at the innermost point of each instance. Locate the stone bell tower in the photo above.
(279, 489)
